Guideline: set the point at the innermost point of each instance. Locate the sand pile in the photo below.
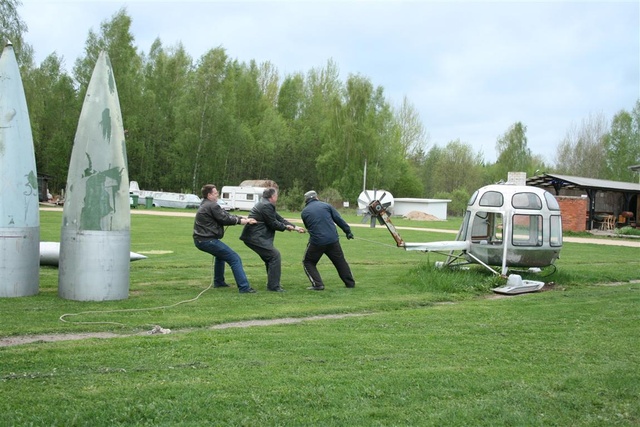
(421, 216)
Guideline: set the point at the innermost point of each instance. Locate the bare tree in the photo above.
(413, 137)
(582, 152)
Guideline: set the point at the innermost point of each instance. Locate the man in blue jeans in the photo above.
(208, 230)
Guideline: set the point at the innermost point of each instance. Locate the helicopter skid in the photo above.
(515, 285)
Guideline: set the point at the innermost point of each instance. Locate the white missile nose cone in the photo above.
(19, 218)
(95, 239)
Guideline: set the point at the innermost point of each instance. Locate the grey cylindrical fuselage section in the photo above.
(19, 216)
(95, 239)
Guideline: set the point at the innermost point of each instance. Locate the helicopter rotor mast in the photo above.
(377, 209)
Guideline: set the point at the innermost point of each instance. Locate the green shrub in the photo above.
(292, 199)
(459, 199)
(628, 231)
(331, 196)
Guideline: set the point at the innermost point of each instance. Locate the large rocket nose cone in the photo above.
(95, 239)
(19, 216)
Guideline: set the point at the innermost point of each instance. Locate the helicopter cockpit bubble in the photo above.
(504, 225)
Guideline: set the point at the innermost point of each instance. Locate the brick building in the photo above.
(586, 203)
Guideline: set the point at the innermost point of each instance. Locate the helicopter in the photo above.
(505, 226)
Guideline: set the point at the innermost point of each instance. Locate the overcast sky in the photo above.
(471, 69)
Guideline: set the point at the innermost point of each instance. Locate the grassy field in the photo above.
(420, 346)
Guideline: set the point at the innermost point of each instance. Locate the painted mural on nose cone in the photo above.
(95, 240)
(98, 181)
(19, 216)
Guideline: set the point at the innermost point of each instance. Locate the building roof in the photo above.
(575, 182)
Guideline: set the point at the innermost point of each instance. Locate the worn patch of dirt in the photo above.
(28, 339)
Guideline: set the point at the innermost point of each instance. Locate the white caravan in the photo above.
(245, 195)
(164, 199)
(241, 197)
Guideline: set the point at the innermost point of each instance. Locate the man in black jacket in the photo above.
(208, 229)
(320, 219)
(259, 237)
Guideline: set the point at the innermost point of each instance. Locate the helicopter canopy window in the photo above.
(473, 198)
(491, 198)
(487, 228)
(527, 230)
(551, 201)
(526, 201)
(555, 239)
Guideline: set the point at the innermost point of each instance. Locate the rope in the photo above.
(126, 310)
(377, 243)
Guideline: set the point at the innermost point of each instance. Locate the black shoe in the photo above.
(247, 291)
(351, 286)
(316, 288)
(224, 285)
(278, 289)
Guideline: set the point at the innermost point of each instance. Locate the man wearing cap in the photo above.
(320, 220)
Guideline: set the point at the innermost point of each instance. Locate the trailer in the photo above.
(241, 197)
(162, 199)
(247, 194)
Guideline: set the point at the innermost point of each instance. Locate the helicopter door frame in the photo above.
(487, 227)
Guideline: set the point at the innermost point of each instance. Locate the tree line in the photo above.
(217, 120)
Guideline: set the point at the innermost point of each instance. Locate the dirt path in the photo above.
(29, 339)
(609, 242)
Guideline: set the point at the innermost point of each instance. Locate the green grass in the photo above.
(429, 347)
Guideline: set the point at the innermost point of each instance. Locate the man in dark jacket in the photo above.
(320, 219)
(259, 237)
(208, 230)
